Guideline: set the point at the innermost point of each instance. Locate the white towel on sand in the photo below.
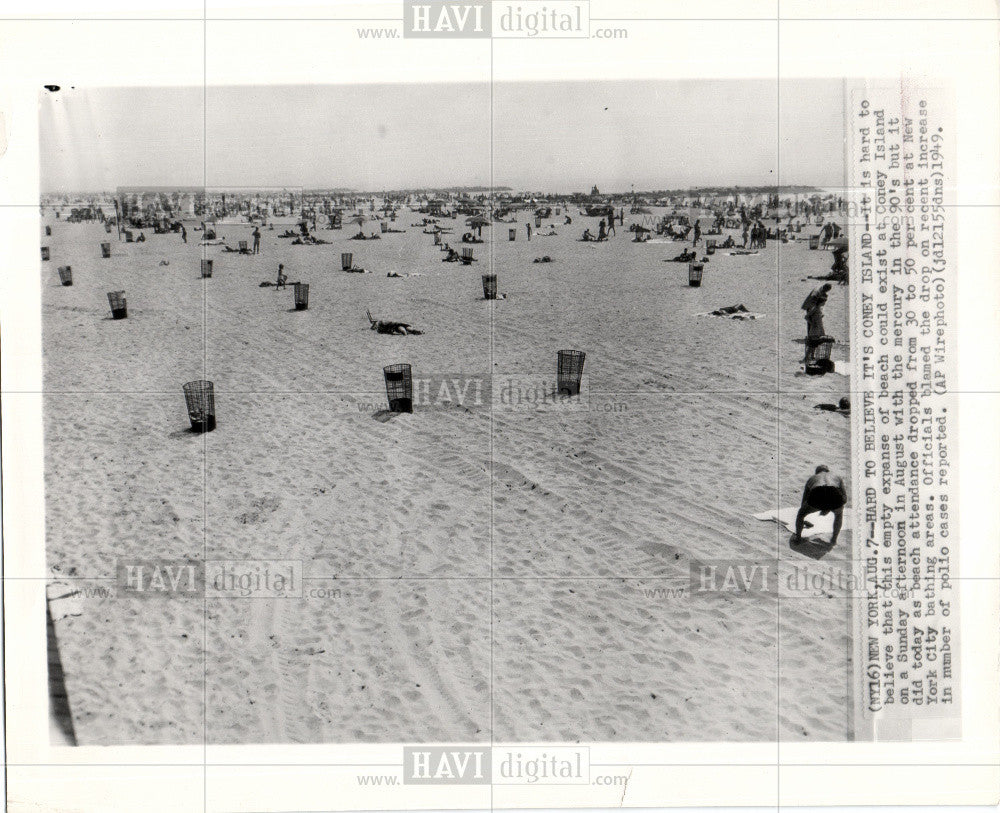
(821, 525)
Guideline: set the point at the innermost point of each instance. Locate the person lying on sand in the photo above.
(843, 406)
(824, 492)
(684, 257)
(738, 313)
(393, 328)
(545, 259)
(452, 256)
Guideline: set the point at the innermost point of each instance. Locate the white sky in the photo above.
(557, 137)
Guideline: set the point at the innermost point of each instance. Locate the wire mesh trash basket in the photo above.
(399, 387)
(66, 274)
(107, 228)
(819, 361)
(512, 234)
(489, 286)
(384, 227)
(467, 255)
(128, 236)
(569, 371)
(119, 307)
(243, 247)
(437, 238)
(106, 250)
(200, 398)
(206, 268)
(346, 260)
(538, 222)
(301, 296)
(814, 242)
(695, 271)
(710, 246)
(45, 253)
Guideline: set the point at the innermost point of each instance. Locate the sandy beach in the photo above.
(472, 572)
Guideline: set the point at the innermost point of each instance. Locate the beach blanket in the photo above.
(816, 523)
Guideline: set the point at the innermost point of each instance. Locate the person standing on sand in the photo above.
(528, 227)
(282, 277)
(611, 223)
(256, 240)
(824, 492)
(813, 306)
(184, 233)
(697, 232)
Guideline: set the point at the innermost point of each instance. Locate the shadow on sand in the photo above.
(813, 548)
(60, 720)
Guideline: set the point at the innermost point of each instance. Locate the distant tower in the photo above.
(595, 191)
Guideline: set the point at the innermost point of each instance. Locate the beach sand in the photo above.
(471, 573)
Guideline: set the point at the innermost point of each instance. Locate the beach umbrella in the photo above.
(478, 221)
(838, 242)
(358, 220)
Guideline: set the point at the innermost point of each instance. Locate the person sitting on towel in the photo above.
(587, 236)
(685, 257)
(824, 492)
